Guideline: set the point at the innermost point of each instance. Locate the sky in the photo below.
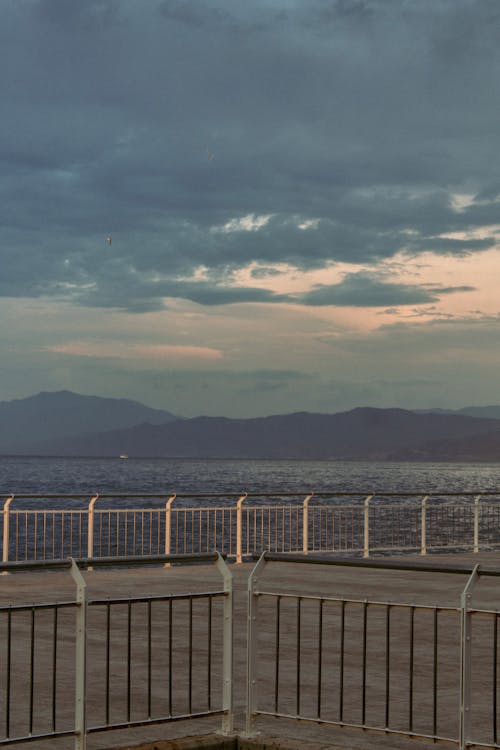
(229, 208)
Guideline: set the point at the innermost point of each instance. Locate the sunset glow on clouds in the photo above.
(136, 351)
(302, 199)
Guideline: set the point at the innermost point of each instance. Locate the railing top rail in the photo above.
(101, 562)
(277, 493)
(318, 559)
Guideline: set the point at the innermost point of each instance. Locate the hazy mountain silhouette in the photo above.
(362, 433)
(45, 417)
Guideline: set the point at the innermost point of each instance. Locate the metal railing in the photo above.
(368, 664)
(149, 659)
(241, 525)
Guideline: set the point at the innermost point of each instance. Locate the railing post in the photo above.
(168, 525)
(227, 648)
(366, 527)
(423, 529)
(239, 527)
(6, 520)
(90, 527)
(465, 658)
(80, 658)
(476, 523)
(252, 635)
(305, 524)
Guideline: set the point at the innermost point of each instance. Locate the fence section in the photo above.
(370, 664)
(149, 660)
(241, 525)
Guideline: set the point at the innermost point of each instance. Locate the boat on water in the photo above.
(123, 455)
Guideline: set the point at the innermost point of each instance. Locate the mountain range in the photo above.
(69, 424)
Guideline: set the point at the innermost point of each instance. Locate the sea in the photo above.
(42, 475)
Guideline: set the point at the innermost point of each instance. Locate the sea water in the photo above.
(26, 475)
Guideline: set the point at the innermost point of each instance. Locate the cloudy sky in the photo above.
(302, 200)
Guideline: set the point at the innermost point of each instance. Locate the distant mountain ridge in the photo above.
(30, 422)
(362, 433)
(69, 424)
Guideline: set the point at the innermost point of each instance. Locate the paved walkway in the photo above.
(384, 586)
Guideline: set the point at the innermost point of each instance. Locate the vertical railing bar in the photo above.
(191, 549)
(108, 551)
(108, 656)
(364, 666)
(277, 653)
(227, 647)
(465, 658)
(117, 533)
(269, 546)
(423, 526)
(16, 553)
(247, 550)
(255, 545)
(435, 672)
(168, 524)
(143, 522)
(209, 654)
(90, 526)
(6, 520)
(239, 523)
(32, 669)
(222, 532)
(54, 668)
(80, 657)
(252, 658)
(411, 669)
(158, 530)
(298, 665)
(129, 653)
(341, 666)
(149, 657)
(100, 534)
(387, 662)
(476, 523)
(200, 531)
(495, 676)
(190, 656)
(8, 672)
(170, 651)
(305, 523)
(366, 527)
(320, 657)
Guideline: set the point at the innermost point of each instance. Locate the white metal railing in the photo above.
(50, 648)
(49, 527)
(417, 670)
(423, 671)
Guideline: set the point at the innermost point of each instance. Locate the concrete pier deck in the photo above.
(379, 585)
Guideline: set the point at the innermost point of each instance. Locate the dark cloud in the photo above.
(358, 120)
(368, 290)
